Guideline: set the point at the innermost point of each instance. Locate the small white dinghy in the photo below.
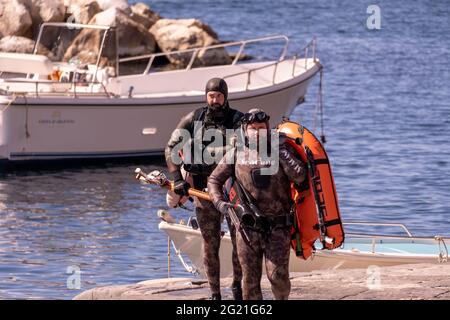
(358, 251)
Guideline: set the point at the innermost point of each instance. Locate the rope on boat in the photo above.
(443, 254)
(27, 133)
(14, 97)
(190, 269)
(168, 257)
(319, 108)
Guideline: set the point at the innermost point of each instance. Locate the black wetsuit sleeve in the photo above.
(184, 126)
(237, 117)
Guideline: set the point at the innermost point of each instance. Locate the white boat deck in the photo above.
(240, 78)
(179, 83)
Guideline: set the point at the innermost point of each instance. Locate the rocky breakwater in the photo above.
(138, 29)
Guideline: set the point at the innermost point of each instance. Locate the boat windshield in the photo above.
(78, 45)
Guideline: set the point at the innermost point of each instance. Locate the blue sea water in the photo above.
(387, 124)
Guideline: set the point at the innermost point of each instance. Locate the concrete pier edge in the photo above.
(418, 281)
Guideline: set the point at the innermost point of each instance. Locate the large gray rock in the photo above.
(21, 45)
(134, 39)
(141, 13)
(15, 20)
(44, 11)
(81, 11)
(181, 34)
(108, 4)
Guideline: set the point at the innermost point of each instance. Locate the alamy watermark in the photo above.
(374, 20)
(73, 281)
(373, 280)
(207, 147)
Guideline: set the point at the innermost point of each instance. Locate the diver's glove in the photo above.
(223, 206)
(180, 186)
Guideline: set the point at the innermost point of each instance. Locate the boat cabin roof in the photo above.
(25, 63)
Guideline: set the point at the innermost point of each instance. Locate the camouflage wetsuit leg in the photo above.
(251, 263)
(237, 269)
(277, 251)
(209, 222)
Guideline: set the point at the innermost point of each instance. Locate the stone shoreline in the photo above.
(411, 282)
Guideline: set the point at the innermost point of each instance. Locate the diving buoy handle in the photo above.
(329, 240)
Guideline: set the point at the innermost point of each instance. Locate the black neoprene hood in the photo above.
(217, 84)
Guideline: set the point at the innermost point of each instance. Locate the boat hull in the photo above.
(48, 128)
(357, 252)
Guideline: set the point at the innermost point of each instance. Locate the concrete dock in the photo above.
(419, 281)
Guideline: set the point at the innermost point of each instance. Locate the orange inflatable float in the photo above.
(316, 204)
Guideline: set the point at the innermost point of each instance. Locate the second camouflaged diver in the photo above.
(271, 194)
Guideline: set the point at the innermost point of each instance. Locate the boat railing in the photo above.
(379, 224)
(195, 51)
(375, 238)
(308, 51)
(66, 25)
(71, 89)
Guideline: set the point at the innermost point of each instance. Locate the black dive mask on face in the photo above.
(260, 116)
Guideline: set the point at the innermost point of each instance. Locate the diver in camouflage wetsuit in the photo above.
(271, 194)
(217, 115)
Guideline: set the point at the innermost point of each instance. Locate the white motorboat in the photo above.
(358, 251)
(96, 112)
